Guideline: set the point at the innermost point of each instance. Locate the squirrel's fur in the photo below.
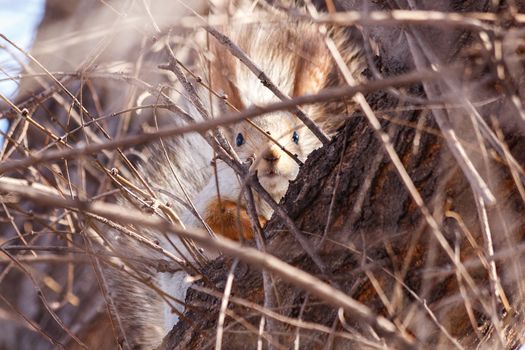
(294, 56)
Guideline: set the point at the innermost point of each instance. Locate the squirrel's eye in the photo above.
(239, 140)
(295, 137)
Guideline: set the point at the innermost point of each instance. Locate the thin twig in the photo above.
(224, 305)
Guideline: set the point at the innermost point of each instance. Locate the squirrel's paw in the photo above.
(229, 219)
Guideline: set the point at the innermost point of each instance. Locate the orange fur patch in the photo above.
(227, 219)
(222, 72)
(312, 67)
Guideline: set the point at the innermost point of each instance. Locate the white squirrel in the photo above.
(293, 55)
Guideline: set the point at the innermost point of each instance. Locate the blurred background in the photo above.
(18, 21)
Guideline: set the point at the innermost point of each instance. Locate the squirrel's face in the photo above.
(294, 58)
(274, 166)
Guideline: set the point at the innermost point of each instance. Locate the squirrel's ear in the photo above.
(312, 68)
(222, 76)
(318, 70)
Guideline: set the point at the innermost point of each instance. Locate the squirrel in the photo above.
(294, 56)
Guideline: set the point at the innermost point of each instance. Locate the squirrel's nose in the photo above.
(272, 154)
